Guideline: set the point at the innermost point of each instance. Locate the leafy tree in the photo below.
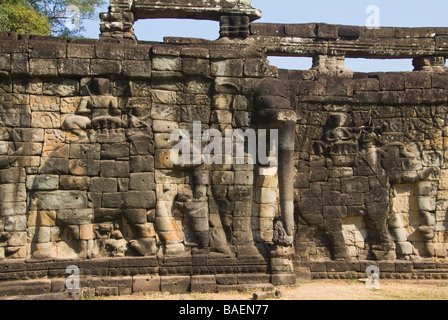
(18, 16)
(65, 16)
(47, 17)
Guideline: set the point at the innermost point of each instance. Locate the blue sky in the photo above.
(401, 13)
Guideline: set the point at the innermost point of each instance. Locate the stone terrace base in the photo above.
(399, 269)
(124, 276)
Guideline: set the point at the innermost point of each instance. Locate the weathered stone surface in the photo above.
(115, 169)
(368, 179)
(145, 283)
(175, 284)
(59, 200)
(75, 217)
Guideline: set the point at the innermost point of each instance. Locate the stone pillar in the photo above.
(431, 64)
(118, 22)
(332, 64)
(235, 26)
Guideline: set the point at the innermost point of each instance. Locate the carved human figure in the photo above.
(98, 110)
(337, 132)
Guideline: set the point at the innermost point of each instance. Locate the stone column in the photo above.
(430, 64)
(118, 22)
(234, 26)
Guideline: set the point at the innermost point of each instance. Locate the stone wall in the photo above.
(86, 169)
(370, 165)
(86, 177)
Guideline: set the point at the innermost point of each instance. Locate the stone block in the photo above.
(112, 200)
(244, 178)
(20, 64)
(25, 287)
(240, 193)
(222, 177)
(403, 266)
(310, 205)
(136, 69)
(227, 68)
(86, 232)
(426, 203)
(142, 181)
(221, 116)
(12, 192)
(267, 29)
(114, 169)
(73, 67)
(242, 224)
(203, 283)
(74, 182)
(167, 63)
(391, 82)
(85, 151)
(54, 166)
(137, 52)
(43, 67)
(75, 217)
(44, 50)
(42, 182)
(103, 67)
(114, 151)
(141, 163)
(135, 216)
(11, 175)
(332, 212)
(15, 223)
(349, 31)
(84, 167)
(163, 141)
(139, 199)
(44, 218)
(195, 113)
(253, 278)
(199, 67)
(141, 145)
(54, 200)
(242, 209)
(5, 63)
(165, 112)
(356, 184)
(283, 279)
(241, 119)
(164, 126)
(175, 284)
(13, 208)
(146, 283)
(266, 195)
(327, 31)
(80, 50)
(417, 80)
(103, 185)
(162, 159)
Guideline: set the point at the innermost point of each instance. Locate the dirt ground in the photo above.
(320, 290)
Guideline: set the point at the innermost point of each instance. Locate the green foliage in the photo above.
(58, 14)
(20, 17)
(47, 17)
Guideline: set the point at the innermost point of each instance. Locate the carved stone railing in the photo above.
(351, 41)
